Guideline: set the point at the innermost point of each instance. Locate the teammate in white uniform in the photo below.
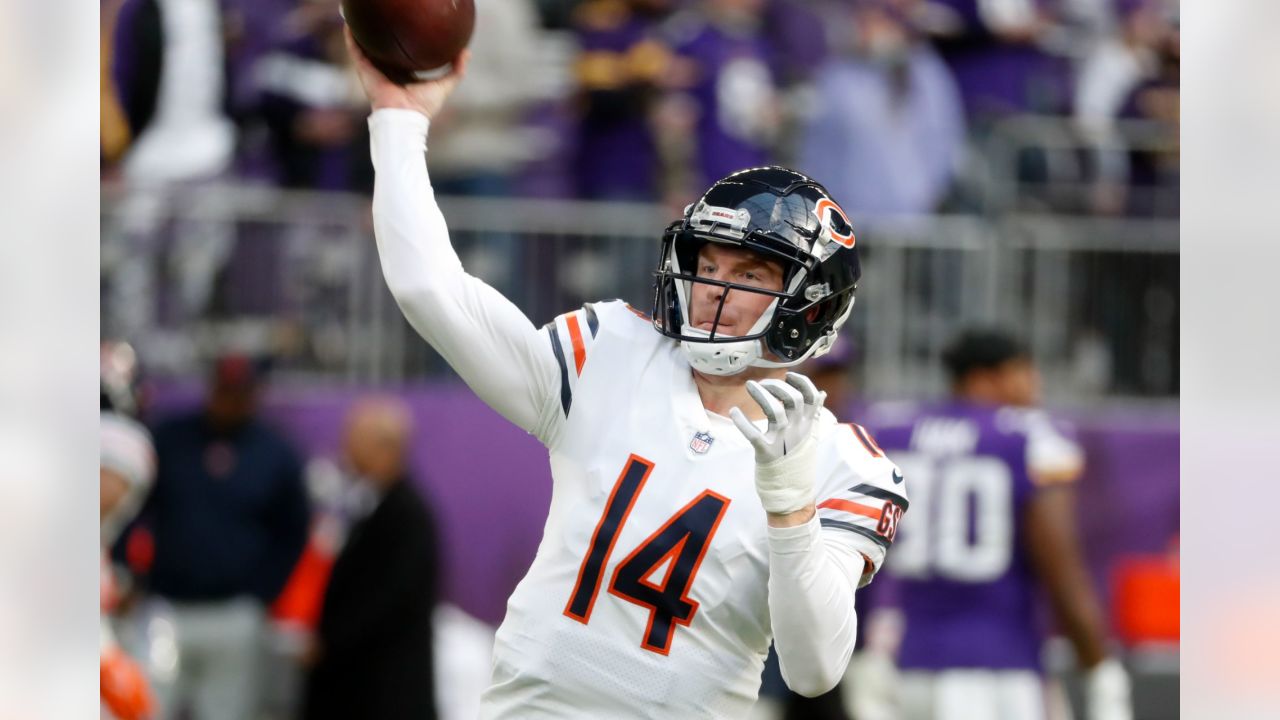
(702, 505)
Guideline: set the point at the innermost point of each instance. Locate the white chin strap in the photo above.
(729, 358)
(726, 358)
(719, 358)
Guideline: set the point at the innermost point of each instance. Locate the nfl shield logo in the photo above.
(701, 442)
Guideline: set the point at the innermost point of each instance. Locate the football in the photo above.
(411, 39)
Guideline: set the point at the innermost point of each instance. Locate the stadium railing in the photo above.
(191, 270)
(1027, 162)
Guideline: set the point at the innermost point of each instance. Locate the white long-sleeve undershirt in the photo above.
(812, 579)
(510, 365)
(486, 339)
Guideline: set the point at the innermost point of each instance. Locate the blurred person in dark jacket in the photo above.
(373, 653)
(229, 517)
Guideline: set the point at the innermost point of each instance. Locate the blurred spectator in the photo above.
(170, 63)
(126, 469)
(619, 71)
(888, 132)
(114, 128)
(132, 51)
(373, 653)
(228, 515)
(479, 141)
(729, 84)
(797, 40)
(1130, 73)
(307, 97)
(167, 70)
(997, 50)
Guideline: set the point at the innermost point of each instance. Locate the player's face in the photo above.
(1018, 383)
(741, 309)
(111, 490)
(231, 405)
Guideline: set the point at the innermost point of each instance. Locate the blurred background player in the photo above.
(228, 516)
(126, 471)
(993, 525)
(373, 652)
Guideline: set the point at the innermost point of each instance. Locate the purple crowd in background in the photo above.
(648, 99)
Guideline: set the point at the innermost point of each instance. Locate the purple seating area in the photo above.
(622, 90)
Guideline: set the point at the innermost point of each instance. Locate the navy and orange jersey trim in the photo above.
(572, 335)
(867, 533)
(866, 439)
(880, 493)
(866, 510)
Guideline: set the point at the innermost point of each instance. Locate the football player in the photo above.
(993, 523)
(125, 474)
(704, 502)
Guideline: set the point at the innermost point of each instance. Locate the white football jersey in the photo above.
(648, 597)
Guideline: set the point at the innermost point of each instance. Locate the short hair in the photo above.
(981, 349)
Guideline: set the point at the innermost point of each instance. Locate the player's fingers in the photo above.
(790, 397)
(746, 427)
(352, 48)
(362, 63)
(773, 409)
(806, 388)
(460, 63)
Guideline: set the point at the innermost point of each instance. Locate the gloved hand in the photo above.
(784, 451)
(1107, 691)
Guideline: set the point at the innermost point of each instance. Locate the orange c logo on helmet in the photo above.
(835, 221)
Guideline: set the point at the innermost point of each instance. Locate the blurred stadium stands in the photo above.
(295, 276)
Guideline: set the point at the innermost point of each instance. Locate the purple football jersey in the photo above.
(616, 156)
(961, 576)
(735, 95)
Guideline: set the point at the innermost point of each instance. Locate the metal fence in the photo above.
(193, 270)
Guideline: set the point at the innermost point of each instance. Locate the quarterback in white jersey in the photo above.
(703, 502)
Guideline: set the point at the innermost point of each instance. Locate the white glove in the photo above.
(1106, 692)
(784, 451)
